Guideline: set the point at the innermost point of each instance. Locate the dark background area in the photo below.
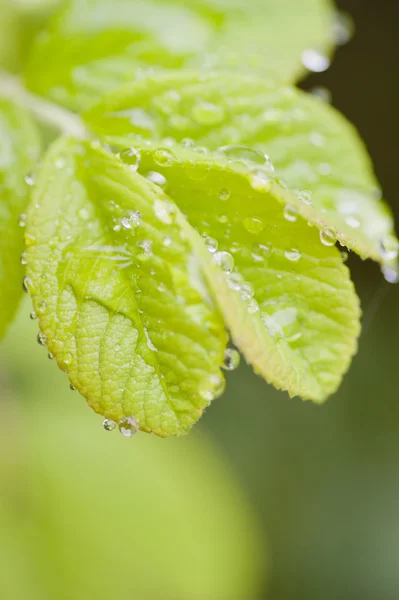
(325, 480)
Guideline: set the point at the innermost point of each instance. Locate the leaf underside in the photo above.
(19, 152)
(119, 293)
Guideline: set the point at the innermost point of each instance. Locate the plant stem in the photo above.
(46, 112)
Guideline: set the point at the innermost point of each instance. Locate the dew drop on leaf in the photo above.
(322, 93)
(33, 315)
(41, 338)
(344, 255)
(315, 61)
(224, 260)
(327, 237)
(84, 214)
(131, 220)
(67, 358)
(293, 255)
(156, 178)
(27, 285)
(254, 225)
(290, 213)
(343, 28)
(22, 220)
(352, 222)
(231, 359)
(128, 427)
(30, 179)
(305, 196)
(224, 194)
(163, 157)
(131, 157)
(389, 247)
(391, 274)
(211, 243)
(109, 424)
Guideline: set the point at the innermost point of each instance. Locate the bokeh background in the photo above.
(270, 498)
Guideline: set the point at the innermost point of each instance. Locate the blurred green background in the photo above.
(269, 498)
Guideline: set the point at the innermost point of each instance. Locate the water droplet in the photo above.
(305, 196)
(322, 93)
(67, 358)
(317, 139)
(211, 243)
(128, 426)
(254, 225)
(33, 315)
(259, 181)
(272, 327)
(156, 178)
(163, 211)
(109, 424)
(225, 261)
(59, 163)
(41, 307)
(290, 213)
(260, 252)
(131, 220)
(352, 222)
(206, 113)
(30, 179)
(344, 255)
(293, 255)
(41, 338)
(235, 281)
(146, 245)
(224, 194)
(391, 274)
(343, 28)
(84, 214)
(389, 247)
(50, 356)
(72, 388)
(223, 219)
(315, 61)
(252, 306)
(163, 157)
(328, 237)
(23, 258)
(27, 285)
(238, 152)
(22, 220)
(247, 291)
(30, 240)
(231, 359)
(131, 157)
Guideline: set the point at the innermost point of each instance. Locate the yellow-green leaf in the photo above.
(19, 152)
(119, 294)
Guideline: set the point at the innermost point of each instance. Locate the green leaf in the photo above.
(20, 21)
(287, 299)
(96, 46)
(19, 152)
(119, 294)
(312, 148)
